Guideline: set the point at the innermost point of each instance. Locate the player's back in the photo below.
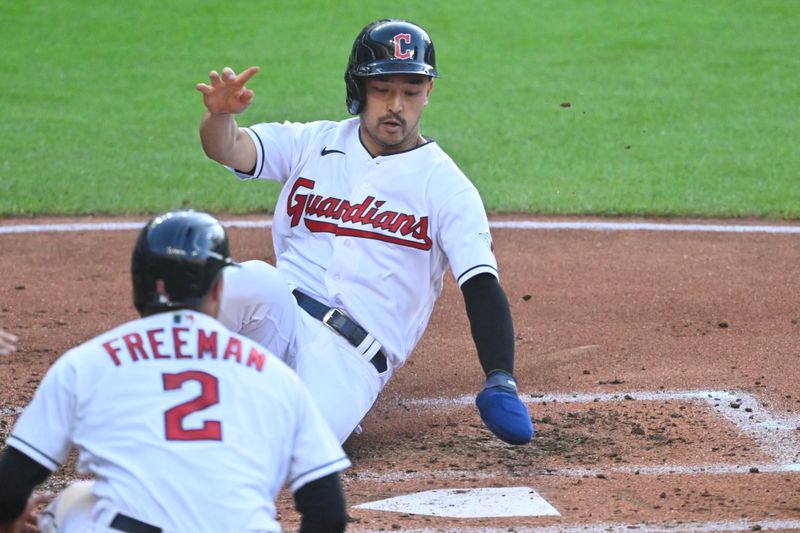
(186, 425)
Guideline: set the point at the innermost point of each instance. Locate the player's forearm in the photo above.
(322, 506)
(490, 323)
(225, 143)
(19, 474)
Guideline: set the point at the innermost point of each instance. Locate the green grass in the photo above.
(676, 107)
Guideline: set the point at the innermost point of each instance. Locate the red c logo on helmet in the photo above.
(399, 53)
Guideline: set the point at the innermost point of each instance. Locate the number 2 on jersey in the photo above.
(209, 395)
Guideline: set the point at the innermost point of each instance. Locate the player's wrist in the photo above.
(219, 114)
(502, 379)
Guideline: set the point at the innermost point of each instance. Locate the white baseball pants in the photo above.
(257, 302)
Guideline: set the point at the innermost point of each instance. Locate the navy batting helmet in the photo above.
(387, 46)
(177, 259)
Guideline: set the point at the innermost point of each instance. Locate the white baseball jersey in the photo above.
(185, 425)
(372, 236)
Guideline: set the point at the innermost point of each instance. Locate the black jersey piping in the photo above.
(473, 268)
(263, 153)
(32, 447)
(320, 467)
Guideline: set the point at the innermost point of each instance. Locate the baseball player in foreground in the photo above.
(185, 425)
(370, 217)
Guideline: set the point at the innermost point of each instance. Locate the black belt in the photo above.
(125, 523)
(341, 324)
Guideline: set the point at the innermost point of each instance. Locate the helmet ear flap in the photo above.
(355, 97)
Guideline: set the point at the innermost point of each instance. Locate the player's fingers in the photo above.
(213, 76)
(228, 74)
(42, 498)
(203, 88)
(245, 98)
(29, 521)
(245, 76)
(31, 527)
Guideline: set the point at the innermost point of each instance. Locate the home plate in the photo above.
(468, 503)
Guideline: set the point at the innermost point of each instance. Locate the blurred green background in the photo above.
(677, 108)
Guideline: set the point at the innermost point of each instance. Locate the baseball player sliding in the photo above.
(185, 425)
(370, 217)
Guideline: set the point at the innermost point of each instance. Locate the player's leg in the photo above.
(71, 510)
(343, 383)
(257, 302)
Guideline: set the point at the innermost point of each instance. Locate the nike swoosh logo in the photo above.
(325, 151)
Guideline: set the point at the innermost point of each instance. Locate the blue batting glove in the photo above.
(502, 411)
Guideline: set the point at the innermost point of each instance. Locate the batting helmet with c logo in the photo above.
(387, 46)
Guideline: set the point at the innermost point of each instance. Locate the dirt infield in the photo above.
(662, 370)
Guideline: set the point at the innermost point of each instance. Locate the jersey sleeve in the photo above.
(43, 431)
(464, 236)
(317, 453)
(279, 149)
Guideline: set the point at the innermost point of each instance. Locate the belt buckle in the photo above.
(329, 315)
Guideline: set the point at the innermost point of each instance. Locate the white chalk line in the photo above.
(112, 226)
(644, 527)
(512, 224)
(644, 226)
(607, 471)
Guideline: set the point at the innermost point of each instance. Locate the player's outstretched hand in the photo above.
(8, 343)
(502, 411)
(227, 93)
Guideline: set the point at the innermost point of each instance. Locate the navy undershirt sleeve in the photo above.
(490, 322)
(322, 506)
(19, 474)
